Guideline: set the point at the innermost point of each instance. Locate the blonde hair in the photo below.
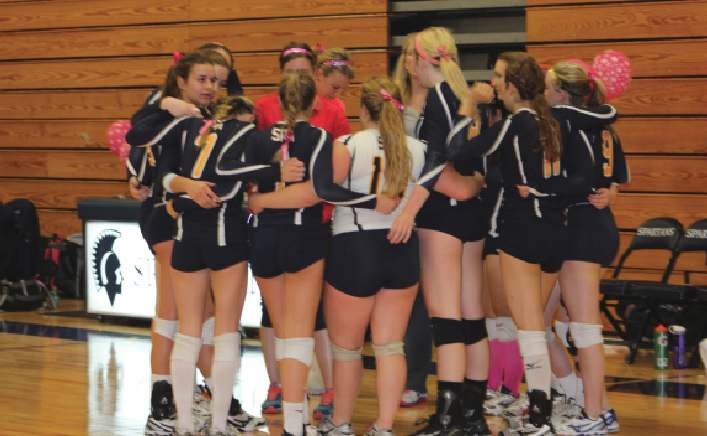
(229, 107)
(335, 54)
(297, 93)
(582, 89)
(432, 41)
(398, 159)
(401, 75)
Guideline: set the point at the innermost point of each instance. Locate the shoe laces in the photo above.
(274, 393)
(327, 398)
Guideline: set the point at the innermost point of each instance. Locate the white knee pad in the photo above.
(344, 354)
(186, 348)
(532, 343)
(299, 349)
(549, 335)
(279, 349)
(165, 327)
(207, 331)
(227, 347)
(561, 329)
(586, 335)
(506, 329)
(388, 349)
(491, 329)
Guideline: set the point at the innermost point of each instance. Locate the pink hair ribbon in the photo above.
(177, 57)
(292, 50)
(387, 96)
(320, 48)
(285, 147)
(205, 127)
(337, 62)
(442, 49)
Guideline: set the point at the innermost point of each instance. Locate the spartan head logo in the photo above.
(106, 265)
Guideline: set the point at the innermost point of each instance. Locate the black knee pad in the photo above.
(474, 330)
(319, 323)
(447, 331)
(265, 321)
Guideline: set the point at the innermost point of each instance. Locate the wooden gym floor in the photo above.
(63, 375)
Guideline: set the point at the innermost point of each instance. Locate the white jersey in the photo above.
(366, 176)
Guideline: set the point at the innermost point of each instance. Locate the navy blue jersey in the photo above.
(436, 123)
(218, 160)
(308, 144)
(521, 161)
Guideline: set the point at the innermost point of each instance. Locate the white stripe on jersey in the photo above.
(520, 162)
(589, 146)
(221, 225)
(233, 192)
(494, 217)
(180, 229)
(457, 128)
(155, 97)
(500, 137)
(431, 174)
(536, 203)
(167, 182)
(227, 146)
(611, 114)
(164, 131)
(130, 168)
(298, 217)
(438, 89)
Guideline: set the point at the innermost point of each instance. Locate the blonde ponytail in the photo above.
(437, 46)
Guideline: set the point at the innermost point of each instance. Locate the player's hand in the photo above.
(481, 93)
(292, 170)
(254, 203)
(402, 228)
(386, 205)
(524, 190)
(171, 211)
(138, 192)
(179, 108)
(601, 199)
(201, 193)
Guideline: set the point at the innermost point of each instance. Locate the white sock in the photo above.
(293, 417)
(305, 409)
(227, 350)
(569, 385)
(580, 392)
(536, 358)
(160, 377)
(184, 356)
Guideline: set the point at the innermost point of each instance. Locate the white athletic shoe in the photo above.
(610, 420)
(496, 405)
(162, 427)
(327, 428)
(582, 425)
(241, 420)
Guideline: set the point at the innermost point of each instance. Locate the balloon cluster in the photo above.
(115, 136)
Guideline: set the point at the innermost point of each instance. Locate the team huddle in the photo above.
(476, 210)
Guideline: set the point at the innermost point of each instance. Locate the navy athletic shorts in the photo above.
(284, 249)
(466, 221)
(534, 240)
(187, 257)
(361, 263)
(160, 226)
(592, 235)
(490, 246)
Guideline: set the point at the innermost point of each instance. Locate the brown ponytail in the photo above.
(529, 80)
(298, 91)
(398, 159)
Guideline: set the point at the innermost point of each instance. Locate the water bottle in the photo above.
(679, 359)
(660, 348)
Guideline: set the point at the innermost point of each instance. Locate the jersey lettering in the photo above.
(375, 175)
(278, 135)
(608, 148)
(150, 157)
(551, 169)
(203, 155)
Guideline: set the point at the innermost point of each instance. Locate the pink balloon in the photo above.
(614, 69)
(115, 136)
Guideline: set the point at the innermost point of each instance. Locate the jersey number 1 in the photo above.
(376, 175)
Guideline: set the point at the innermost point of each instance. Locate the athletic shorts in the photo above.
(490, 246)
(592, 235)
(188, 257)
(160, 226)
(145, 210)
(284, 249)
(466, 221)
(534, 240)
(361, 263)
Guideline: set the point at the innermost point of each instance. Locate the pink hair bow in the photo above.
(285, 147)
(320, 48)
(442, 49)
(387, 96)
(177, 57)
(205, 127)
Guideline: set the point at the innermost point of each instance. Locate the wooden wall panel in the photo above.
(648, 58)
(41, 134)
(663, 135)
(566, 2)
(91, 13)
(664, 97)
(632, 209)
(99, 42)
(103, 165)
(72, 104)
(272, 35)
(678, 19)
(60, 194)
(667, 174)
(51, 221)
(229, 9)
